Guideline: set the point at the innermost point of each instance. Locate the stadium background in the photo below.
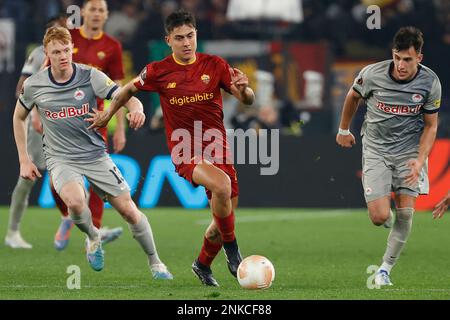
(301, 65)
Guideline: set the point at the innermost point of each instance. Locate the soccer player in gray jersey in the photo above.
(402, 98)
(20, 196)
(65, 94)
(22, 190)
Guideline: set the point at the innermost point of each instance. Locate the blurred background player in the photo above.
(403, 99)
(186, 75)
(92, 46)
(64, 94)
(21, 193)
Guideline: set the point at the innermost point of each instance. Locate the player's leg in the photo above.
(212, 243)
(219, 184)
(19, 203)
(379, 210)
(74, 196)
(400, 231)
(22, 190)
(405, 199)
(62, 235)
(142, 232)
(96, 206)
(377, 184)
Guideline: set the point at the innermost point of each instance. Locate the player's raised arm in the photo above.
(239, 87)
(27, 168)
(344, 137)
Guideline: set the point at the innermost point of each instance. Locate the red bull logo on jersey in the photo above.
(397, 109)
(198, 97)
(68, 112)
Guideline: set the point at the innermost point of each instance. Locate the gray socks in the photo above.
(142, 232)
(399, 235)
(84, 223)
(19, 202)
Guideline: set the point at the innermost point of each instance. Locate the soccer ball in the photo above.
(255, 272)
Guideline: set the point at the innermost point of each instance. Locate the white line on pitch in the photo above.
(287, 216)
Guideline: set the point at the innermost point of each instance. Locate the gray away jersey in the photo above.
(34, 61)
(394, 120)
(63, 108)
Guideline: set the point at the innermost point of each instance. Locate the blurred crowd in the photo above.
(339, 23)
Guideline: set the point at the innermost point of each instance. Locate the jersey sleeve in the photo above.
(115, 69)
(362, 82)
(433, 102)
(34, 62)
(225, 77)
(26, 97)
(103, 86)
(146, 79)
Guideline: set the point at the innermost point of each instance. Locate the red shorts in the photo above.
(185, 170)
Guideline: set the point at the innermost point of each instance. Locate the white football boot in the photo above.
(382, 278)
(14, 240)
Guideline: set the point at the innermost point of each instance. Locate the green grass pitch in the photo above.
(317, 254)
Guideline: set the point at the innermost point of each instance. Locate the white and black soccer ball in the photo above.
(256, 272)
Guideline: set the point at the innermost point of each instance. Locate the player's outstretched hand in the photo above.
(346, 141)
(136, 119)
(441, 207)
(413, 176)
(29, 171)
(98, 118)
(239, 79)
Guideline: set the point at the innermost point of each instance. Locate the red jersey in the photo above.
(190, 93)
(102, 52)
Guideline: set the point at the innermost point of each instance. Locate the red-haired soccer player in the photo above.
(94, 47)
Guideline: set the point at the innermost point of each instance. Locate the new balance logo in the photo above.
(171, 85)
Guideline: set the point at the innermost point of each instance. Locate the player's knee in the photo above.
(222, 188)
(378, 218)
(76, 204)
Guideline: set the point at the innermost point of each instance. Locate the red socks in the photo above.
(208, 252)
(226, 227)
(96, 206)
(60, 203)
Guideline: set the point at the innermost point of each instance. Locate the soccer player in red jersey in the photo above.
(189, 85)
(94, 47)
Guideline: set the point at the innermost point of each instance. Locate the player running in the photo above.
(189, 85)
(94, 47)
(403, 98)
(64, 94)
(22, 190)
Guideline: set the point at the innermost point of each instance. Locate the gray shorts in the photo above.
(102, 174)
(34, 146)
(385, 174)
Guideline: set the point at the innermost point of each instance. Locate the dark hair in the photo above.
(177, 19)
(407, 37)
(52, 20)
